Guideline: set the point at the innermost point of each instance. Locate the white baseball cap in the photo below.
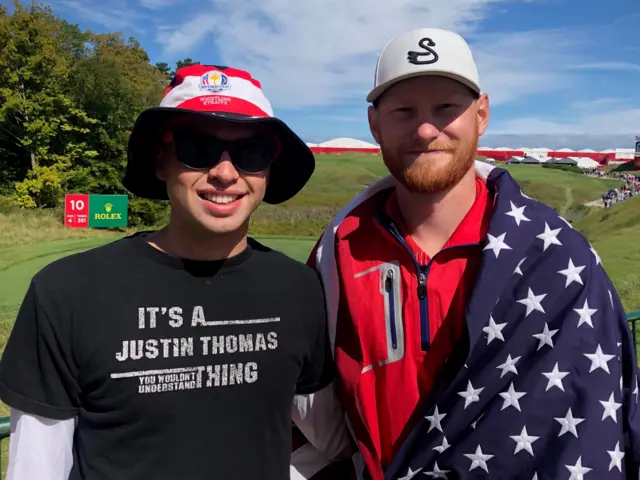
(425, 51)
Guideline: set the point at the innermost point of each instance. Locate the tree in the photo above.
(185, 63)
(164, 68)
(68, 100)
(41, 129)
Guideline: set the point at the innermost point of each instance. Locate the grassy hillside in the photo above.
(615, 234)
(339, 177)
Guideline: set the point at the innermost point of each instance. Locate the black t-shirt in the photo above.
(175, 369)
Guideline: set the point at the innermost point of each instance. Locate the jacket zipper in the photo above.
(422, 272)
(388, 286)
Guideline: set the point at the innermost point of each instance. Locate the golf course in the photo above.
(32, 238)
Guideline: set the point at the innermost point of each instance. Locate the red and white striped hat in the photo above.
(221, 93)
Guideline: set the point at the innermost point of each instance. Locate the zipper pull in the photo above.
(388, 283)
(422, 286)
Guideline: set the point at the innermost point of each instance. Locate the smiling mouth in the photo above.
(219, 198)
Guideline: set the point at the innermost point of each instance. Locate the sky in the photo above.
(559, 73)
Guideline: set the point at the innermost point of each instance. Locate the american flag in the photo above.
(549, 389)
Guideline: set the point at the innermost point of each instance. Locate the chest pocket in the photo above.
(380, 324)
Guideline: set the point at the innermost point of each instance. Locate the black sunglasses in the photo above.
(201, 151)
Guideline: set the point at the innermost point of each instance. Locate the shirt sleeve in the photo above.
(318, 368)
(40, 448)
(37, 371)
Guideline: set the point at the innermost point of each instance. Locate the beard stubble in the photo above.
(432, 176)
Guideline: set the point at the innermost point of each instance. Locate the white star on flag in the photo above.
(545, 337)
(555, 378)
(474, 424)
(610, 298)
(496, 244)
(512, 398)
(478, 459)
(509, 366)
(443, 446)
(471, 394)
(435, 420)
(549, 236)
(572, 273)
(524, 441)
(610, 408)
(410, 474)
(616, 458)
(578, 471)
(518, 270)
(437, 473)
(533, 302)
(522, 193)
(569, 424)
(585, 313)
(494, 330)
(599, 360)
(565, 221)
(517, 213)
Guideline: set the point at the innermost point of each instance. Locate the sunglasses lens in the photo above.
(197, 150)
(202, 151)
(254, 155)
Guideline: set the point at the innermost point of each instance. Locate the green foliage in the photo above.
(68, 99)
(41, 188)
(564, 168)
(144, 212)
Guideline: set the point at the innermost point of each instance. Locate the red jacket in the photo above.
(399, 315)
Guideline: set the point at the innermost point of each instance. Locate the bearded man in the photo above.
(474, 331)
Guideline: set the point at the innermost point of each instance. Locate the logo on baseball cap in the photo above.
(424, 51)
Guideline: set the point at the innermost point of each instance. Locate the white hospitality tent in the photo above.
(563, 161)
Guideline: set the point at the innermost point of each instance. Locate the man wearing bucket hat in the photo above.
(176, 354)
(475, 333)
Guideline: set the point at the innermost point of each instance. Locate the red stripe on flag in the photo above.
(223, 104)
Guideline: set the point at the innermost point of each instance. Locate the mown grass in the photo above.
(338, 178)
(615, 234)
(29, 240)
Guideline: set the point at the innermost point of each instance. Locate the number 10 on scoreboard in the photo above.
(76, 210)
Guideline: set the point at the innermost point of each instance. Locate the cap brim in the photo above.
(289, 173)
(380, 89)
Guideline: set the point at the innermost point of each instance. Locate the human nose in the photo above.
(427, 130)
(224, 170)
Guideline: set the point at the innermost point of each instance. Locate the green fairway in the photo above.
(29, 240)
(18, 264)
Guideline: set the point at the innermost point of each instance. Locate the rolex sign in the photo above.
(108, 211)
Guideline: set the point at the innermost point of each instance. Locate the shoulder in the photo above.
(81, 267)
(282, 268)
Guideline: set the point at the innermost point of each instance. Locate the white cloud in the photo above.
(116, 16)
(511, 66)
(600, 103)
(192, 33)
(157, 4)
(607, 66)
(324, 53)
(602, 122)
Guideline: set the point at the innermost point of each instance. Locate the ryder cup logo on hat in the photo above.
(424, 51)
(217, 90)
(214, 82)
